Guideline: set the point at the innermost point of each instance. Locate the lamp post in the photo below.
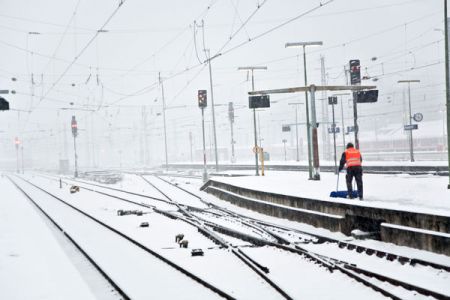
(252, 68)
(308, 130)
(296, 127)
(411, 145)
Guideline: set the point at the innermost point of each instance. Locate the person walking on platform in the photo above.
(353, 159)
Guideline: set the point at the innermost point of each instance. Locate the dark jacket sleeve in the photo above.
(342, 162)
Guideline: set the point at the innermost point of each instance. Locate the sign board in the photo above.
(411, 127)
(259, 101)
(350, 129)
(418, 117)
(4, 105)
(336, 130)
(370, 96)
(285, 128)
(4, 91)
(332, 100)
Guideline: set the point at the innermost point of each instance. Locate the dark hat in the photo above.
(350, 145)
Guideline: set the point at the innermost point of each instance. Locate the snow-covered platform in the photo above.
(373, 167)
(406, 210)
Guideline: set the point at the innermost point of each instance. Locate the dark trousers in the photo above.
(357, 173)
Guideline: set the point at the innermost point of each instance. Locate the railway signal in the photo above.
(201, 97)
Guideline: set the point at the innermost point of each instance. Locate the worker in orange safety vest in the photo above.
(353, 159)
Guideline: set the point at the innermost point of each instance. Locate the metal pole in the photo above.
(284, 144)
(76, 156)
(190, 141)
(355, 119)
(256, 134)
(205, 173)
(164, 121)
(343, 125)
(411, 146)
(233, 159)
(212, 111)
(296, 132)
(315, 142)
(23, 167)
(308, 133)
(17, 158)
(447, 85)
(334, 140)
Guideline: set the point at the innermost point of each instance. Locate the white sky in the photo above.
(144, 38)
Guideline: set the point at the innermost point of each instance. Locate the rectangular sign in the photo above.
(336, 130)
(332, 100)
(350, 129)
(285, 128)
(411, 127)
(259, 101)
(370, 96)
(4, 91)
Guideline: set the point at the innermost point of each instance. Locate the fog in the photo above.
(108, 62)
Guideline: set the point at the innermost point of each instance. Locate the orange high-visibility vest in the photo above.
(352, 157)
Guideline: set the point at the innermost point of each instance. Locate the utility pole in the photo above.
(231, 118)
(17, 144)
(74, 126)
(23, 163)
(164, 120)
(411, 141)
(447, 85)
(296, 128)
(325, 136)
(315, 142)
(252, 68)
(284, 145)
(208, 60)
(190, 142)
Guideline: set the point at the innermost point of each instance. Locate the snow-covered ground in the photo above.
(297, 276)
(418, 193)
(34, 261)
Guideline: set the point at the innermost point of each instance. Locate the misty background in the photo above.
(106, 62)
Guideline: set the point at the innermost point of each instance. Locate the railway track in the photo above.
(184, 276)
(194, 216)
(351, 269)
